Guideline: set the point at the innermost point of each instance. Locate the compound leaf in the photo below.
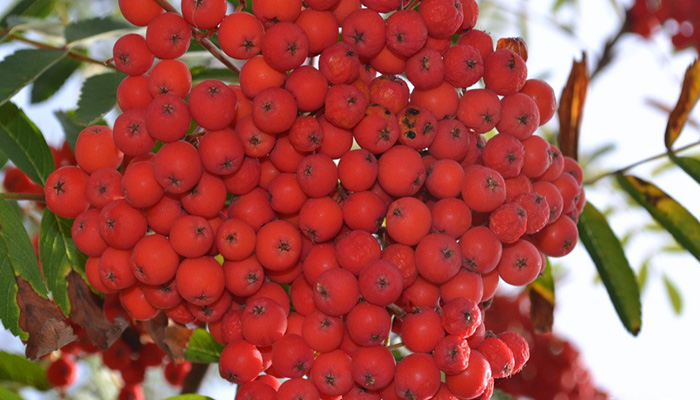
(612, 265)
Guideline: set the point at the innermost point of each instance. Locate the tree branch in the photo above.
(194, 378)
(203, 40)
(638, 163)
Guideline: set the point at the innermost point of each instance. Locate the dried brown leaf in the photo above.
(571, 104)
(86, 311)
(517, 44)
(47, 328)
(541, 312)
(171, 338)
(690, 92)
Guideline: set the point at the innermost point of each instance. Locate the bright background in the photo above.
(661, 362)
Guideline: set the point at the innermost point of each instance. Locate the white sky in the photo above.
(661, 362)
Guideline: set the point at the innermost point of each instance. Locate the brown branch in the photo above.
(397, 311)
(71, 54)
(203, 40)
(194, 378)
(22, 196)
(608, 54)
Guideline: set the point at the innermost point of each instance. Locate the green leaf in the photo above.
(22, 142)
(3, 159)
(674, 295)
(29, 8)
(499, 395)
(71, 129)
(92, 27)
(98, 97)
(189, 397)
(59, 256)
(200, 73)
(614, 269)
(22, 67)
(51, 81)
(7, 394)
(203, 348)
(17, 259)
(17, 369)
(670, 214)
(691, 166)
(643, 274)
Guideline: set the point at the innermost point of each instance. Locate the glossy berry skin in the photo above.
(61, 372)
(417, 377)
(65, 192)
(240, 362)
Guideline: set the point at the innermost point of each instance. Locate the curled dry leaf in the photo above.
(571, 104)
(517, 44)
(47, 328)
(690, 92)
(171, 338)
(86, 311)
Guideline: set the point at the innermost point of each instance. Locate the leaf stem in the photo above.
(71, 54)
(640, 162)
(22, 196)
(203, 40)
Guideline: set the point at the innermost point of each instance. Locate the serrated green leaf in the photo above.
(674, 295)
(22, 67)
(691, 166)
(203, 348)
(189, 397)
(59, 256)
(52, 80)
(22, 142)
(92, 27)
(670, 214)
(98, 97)
(17, 369)
(29, 8)
(7, 394)
(614, 269)
(17, 259)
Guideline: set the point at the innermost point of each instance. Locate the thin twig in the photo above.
(203, 40)
(22, 196)
(71, 54)
(397, 311)
(395, 346)
(640, 162)
(608, 55)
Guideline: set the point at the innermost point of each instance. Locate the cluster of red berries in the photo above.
(555, 369)
(378, 207)
(646, 17)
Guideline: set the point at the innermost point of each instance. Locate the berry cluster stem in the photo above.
(194, 378)
(640, 162)
(22, 196)
(71, 53)
(203, 40)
